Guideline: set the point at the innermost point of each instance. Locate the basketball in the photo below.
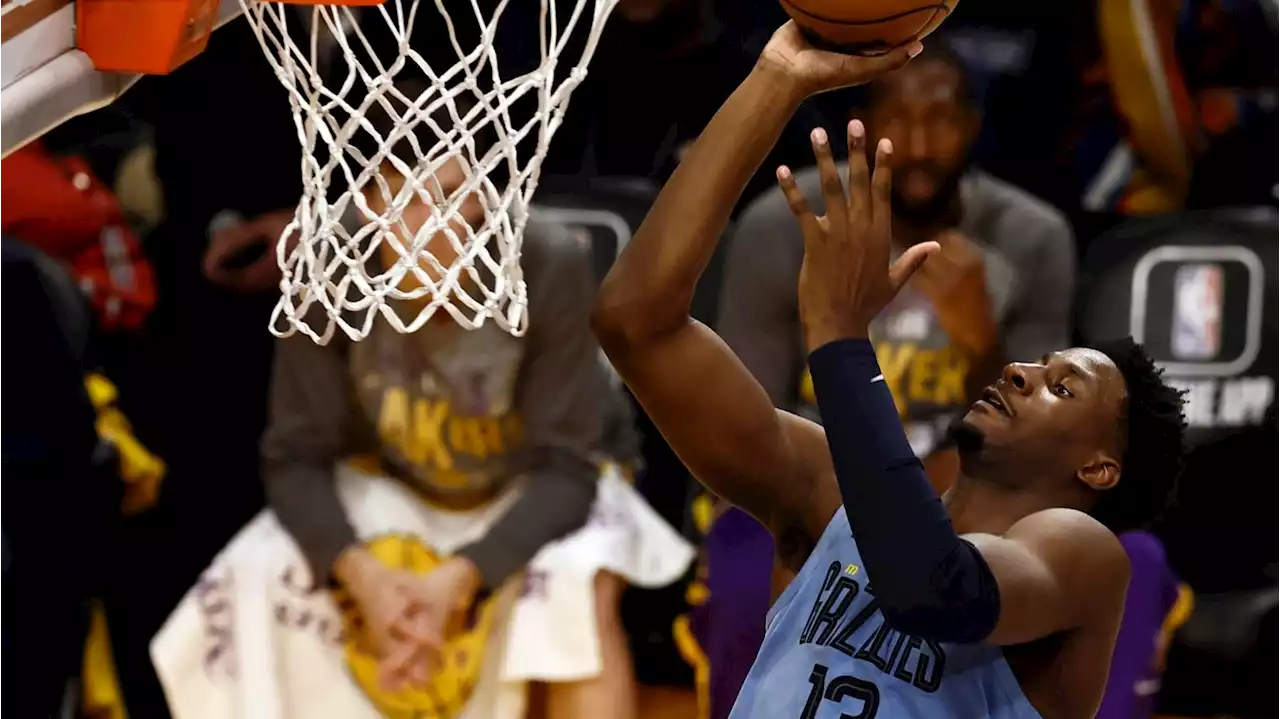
(866, 27)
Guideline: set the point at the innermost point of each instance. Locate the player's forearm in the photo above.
(928, 580)
(306, 503)
(556, 501)
(651, 286)
(304, 440)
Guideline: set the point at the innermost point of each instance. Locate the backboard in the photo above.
(46, 80)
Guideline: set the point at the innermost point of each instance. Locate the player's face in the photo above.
(920, 108)
(1058, 415)
(442, 187)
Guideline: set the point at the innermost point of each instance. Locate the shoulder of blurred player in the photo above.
(1036, 242)
(556, 260)
(767, 230)
(1011, 212)
(773, 202)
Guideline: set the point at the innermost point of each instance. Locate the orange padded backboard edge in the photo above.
(143, 36)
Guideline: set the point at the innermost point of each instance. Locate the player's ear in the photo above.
(1102, 472)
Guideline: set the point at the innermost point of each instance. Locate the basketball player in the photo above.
(1001, 287)
(1017, 617)
(455, 486)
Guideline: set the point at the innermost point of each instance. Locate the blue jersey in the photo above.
(828, 653)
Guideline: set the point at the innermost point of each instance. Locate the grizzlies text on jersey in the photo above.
(828, 653)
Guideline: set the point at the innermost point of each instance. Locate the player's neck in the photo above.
(989, 507)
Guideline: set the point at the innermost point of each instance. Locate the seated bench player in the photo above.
(447, 527)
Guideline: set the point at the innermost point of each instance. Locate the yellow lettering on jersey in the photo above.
(807, 395)
(851, 570)
(480, 437)
(894, 361)
(393, 419)
(953, 370)
(512, 428)
(924, 369)
(490, 436)
(932, 376)
(428, 434)
(428, 445)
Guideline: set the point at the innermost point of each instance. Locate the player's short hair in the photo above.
(1152, 429)
(937, 50)
(385, 124)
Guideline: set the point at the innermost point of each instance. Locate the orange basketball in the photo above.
(867, 27)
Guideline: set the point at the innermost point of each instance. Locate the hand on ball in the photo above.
(816, 71)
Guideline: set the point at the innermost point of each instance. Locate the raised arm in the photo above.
(716, 417)
(1053, 571)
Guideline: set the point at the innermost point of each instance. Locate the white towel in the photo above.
(249, 641)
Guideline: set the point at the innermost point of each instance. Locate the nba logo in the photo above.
(1197, 312)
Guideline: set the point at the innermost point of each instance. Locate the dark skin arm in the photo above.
(1057, 570)
(714, 414)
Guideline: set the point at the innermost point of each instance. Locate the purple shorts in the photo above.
(731, 598)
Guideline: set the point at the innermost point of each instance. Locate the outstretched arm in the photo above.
(716, 417)
(1052, 571)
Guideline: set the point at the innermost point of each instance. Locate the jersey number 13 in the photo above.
(837, 690)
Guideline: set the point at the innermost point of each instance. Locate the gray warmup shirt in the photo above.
(455, 414)
(1030, 267)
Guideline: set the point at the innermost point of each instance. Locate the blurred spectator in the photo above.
(67, 448)
(55, 198)
(1000, 289)
(494, 446)
(58, 204)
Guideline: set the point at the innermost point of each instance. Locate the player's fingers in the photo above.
(832, 188)
(909, 262)
(393, 670)
(424, 665)
(798, 203)
(414, 627)
(862, 69)
(859, 173)
(881, 182)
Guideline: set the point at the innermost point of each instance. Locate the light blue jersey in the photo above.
(827, 653)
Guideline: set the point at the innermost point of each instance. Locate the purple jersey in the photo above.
(1153, 593)
(727, 620)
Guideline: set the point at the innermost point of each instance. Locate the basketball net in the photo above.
(329, 254)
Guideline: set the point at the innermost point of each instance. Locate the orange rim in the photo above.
(350, 3)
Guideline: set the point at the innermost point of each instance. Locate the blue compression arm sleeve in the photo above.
(929, 581)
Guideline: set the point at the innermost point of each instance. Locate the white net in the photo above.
(376, 233)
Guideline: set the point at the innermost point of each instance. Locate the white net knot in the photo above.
(431, 216)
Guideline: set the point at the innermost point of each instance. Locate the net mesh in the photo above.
(358, 246)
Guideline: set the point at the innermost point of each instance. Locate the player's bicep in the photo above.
(717, 419)
(1056, 571)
